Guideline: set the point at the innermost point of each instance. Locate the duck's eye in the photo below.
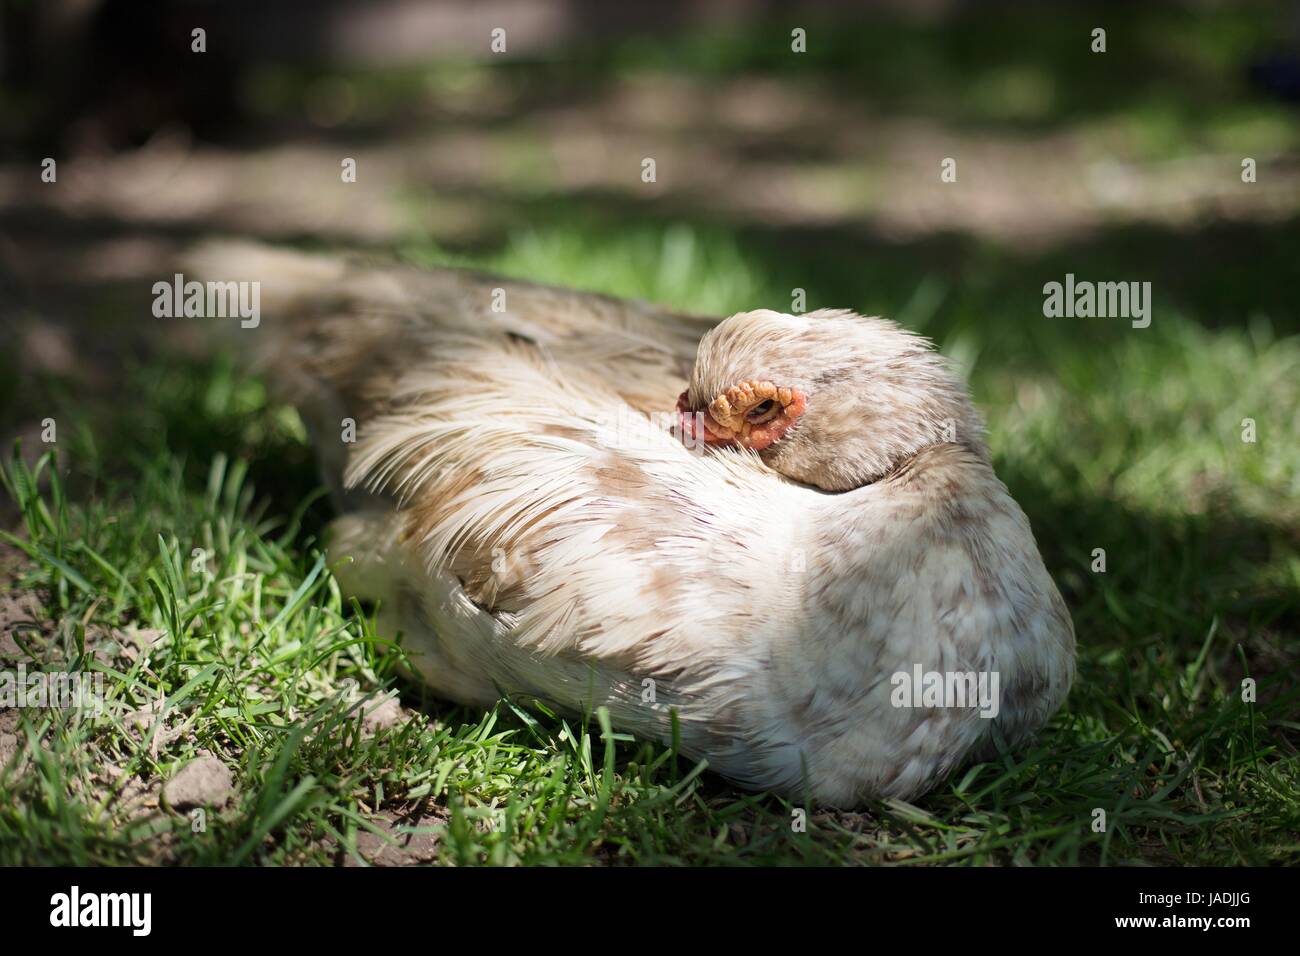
(762, 412)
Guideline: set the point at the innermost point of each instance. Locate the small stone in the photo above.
(398, 848)
(202, 782)
(135, 641)
(380, 716)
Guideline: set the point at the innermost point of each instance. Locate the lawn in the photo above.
(169, 538)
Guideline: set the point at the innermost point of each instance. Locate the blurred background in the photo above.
(775, 171)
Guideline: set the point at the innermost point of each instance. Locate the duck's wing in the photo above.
(561, 508)
(563, 545)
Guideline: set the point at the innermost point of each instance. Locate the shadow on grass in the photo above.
(996, 67)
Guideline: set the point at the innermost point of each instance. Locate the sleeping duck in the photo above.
(783, 530)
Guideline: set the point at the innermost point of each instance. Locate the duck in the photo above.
(776, 540)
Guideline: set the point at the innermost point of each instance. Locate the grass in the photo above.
(1132, 444)
(169, 539)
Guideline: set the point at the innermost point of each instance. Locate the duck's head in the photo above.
(829, 398)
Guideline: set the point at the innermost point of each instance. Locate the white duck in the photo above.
(822, 518)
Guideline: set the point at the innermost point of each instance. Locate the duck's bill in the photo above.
(698, 427)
